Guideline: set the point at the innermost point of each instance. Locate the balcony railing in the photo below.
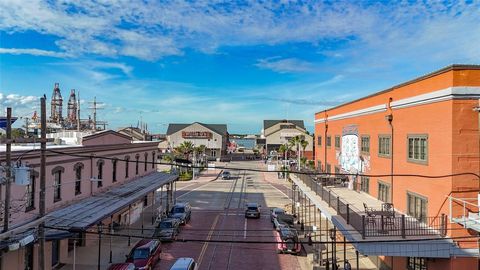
(395, 224)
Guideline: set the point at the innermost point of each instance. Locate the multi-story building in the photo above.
(415, 145)
(279, 132)
(213, 136)
(91, 179)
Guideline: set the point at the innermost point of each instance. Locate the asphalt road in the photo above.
(218, 214)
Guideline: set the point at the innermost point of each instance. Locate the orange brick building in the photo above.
(426, 126)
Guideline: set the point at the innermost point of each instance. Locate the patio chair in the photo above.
(370, 216)
(389, 219)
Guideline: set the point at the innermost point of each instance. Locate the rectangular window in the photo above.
(127, 161)
(384, 145)
(417, 206)
(329, 141)
(337, 141)
(329, 168)
(57, 186)
(146, 163)
(319, 165)
(383, 191)
(365, 144)
(153, 160)
(365, 184)
(319, 140)
(136, 165)
(78, 179)
(100, 175)
(418, 148)
(114, 171)
(31, 194)
(416, 263)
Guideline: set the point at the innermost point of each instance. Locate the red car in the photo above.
(145, 254)
(287, 240)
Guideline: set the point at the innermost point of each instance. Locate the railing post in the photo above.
(338, 206)
(363, 226)
(329, 197)
(348, 213)
(403, 226)
(443, 226)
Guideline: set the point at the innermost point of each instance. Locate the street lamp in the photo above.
(333, 238)
(100, 229)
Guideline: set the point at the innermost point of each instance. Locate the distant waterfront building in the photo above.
(427, 126)
(213, 136)
(279, 132)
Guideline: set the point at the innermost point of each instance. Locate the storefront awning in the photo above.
(90, 211)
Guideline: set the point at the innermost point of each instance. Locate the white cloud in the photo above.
(37, 52)
(151, 30)
(286, 65)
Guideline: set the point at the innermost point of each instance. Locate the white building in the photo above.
(213, 136)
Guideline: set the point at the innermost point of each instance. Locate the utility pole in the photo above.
(43, 147)
(8, 172)
(78, 111)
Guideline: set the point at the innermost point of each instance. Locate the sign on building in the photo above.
(196, 135)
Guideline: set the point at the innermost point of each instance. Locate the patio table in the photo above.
(383, 214)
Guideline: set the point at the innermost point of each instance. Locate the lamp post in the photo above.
(100, 229)
(333, 238)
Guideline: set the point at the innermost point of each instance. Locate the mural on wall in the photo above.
(350, 154)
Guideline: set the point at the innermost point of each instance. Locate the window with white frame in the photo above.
(418, 148)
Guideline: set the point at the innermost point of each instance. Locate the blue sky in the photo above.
(215, 62)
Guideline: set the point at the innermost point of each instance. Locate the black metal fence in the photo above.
(395, 224)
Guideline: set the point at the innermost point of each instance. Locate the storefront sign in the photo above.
(196, 135)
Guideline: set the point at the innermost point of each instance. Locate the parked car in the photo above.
(167, 229)
(184, 264)
(226, 175)
(181, 211)
(122, 266)
(145, 254)
(285, 220)
(274, 213)
(252, 210)
(287, 241)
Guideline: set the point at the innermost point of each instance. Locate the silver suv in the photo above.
(252, 210)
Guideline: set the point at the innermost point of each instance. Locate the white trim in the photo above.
(457, 92)
(369, 110)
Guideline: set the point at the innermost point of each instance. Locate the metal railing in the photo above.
(394, 224)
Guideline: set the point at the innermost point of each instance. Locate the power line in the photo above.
(274, 171)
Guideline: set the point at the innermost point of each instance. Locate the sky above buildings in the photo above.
(227, 62)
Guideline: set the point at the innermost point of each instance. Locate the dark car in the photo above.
(252, 210)
(287, 241)
(145, 254)
(285, 220)
(122, 266)
(226, 175)
(167, 229)
(182, 212)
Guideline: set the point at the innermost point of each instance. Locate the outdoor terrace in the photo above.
(384, 234)
(369, 216)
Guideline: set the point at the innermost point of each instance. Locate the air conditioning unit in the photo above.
(22, 175)
(27, 240)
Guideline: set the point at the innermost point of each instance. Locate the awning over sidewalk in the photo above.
(90, 211)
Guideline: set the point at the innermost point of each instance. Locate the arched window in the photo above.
(137, 158)
(57, 183)
(127, 161)
(153, 159)
(100, 164)
(114, 170)
(145, 163)
(78, 167)
(31, 191)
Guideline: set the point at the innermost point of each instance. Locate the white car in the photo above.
(275, 212)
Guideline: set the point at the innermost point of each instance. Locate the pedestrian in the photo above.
(347, 265)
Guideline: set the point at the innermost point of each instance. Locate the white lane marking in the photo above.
(193, 190)
(245, 230)
(185, 187)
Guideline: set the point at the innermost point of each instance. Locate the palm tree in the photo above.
(304, 144)
(296, 141)
(185, 149)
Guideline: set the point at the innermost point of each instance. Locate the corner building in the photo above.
(427, 126)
